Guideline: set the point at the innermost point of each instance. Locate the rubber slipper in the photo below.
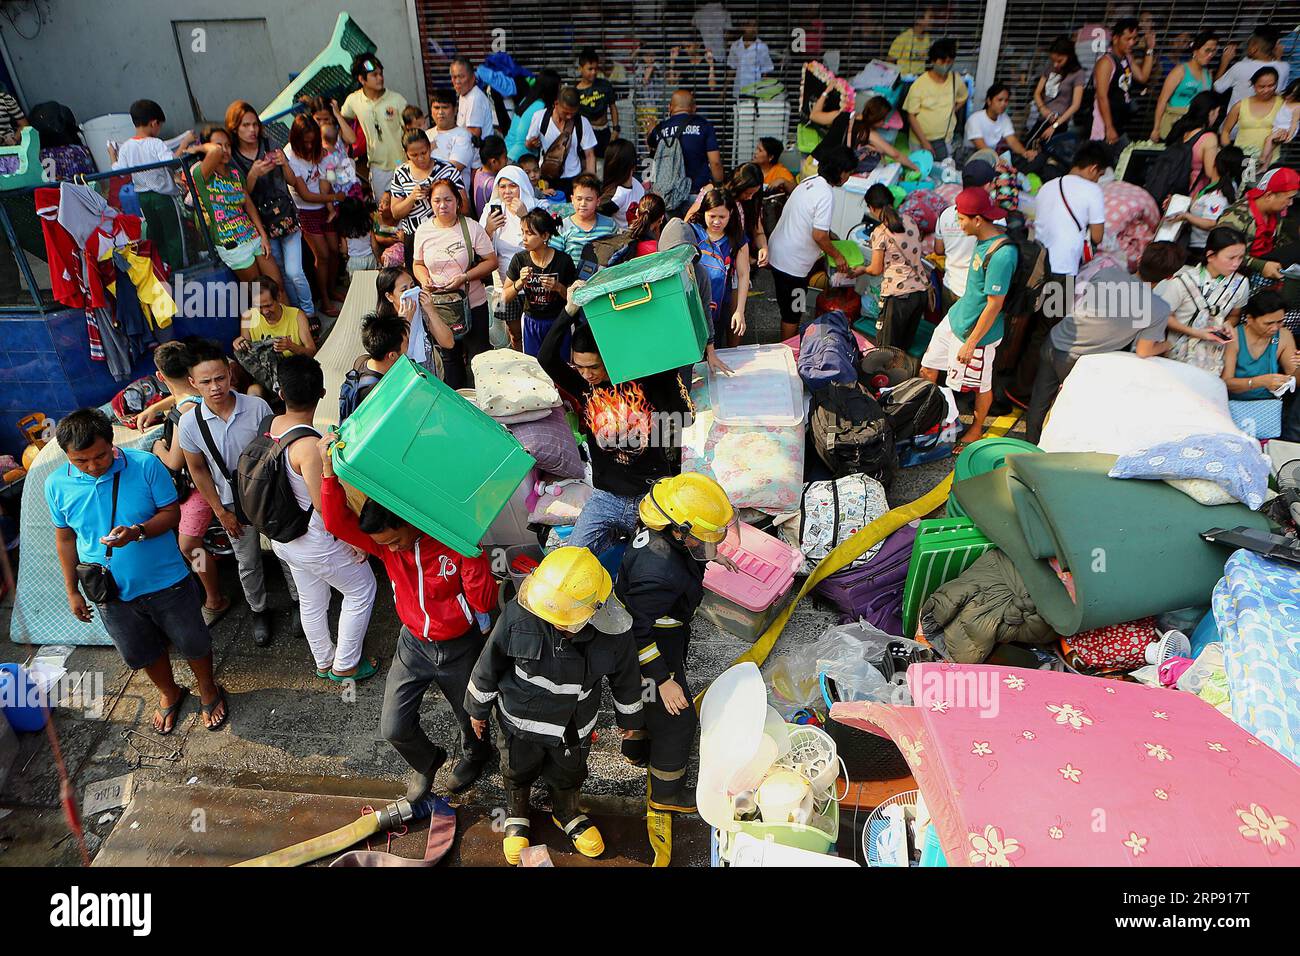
(213, 615)
(209, 708)
(367, 668)
(172, 712)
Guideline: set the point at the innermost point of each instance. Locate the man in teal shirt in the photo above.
(965, 342)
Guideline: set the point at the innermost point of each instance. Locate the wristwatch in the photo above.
(139, 531)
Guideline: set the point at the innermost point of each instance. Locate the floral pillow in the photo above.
(1233, 462)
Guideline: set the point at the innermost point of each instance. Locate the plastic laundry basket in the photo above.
(431, 457)
(646, 314)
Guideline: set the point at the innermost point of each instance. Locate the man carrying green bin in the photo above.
(633, 429)
(440, 597)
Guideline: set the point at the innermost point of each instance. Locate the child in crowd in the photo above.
(493, 156)
(384, 337)
(173, 362)
(542, 274)
(338, 168)
(586, 224)
(355, 225)
(528, 163)
(155, 188)
(413, 118)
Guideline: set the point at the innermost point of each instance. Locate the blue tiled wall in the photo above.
(45, 363)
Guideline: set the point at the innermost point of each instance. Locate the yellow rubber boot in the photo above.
(516, 841)
(517, 824)
(586, 838)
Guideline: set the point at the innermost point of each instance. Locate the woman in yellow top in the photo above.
(272, 320)
(933, 100)
(1252, 118)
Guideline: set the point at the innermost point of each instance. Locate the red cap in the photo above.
(1281, 179)
(975, 201)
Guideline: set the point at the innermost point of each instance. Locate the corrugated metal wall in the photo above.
(845, 34)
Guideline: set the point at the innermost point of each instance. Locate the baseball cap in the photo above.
(1281, 179)
(978, 172)
(975, 201)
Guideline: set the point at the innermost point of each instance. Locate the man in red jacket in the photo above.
(438, 594)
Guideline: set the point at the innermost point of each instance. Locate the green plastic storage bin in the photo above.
(944, 548)
(431, 457)
(647, 314)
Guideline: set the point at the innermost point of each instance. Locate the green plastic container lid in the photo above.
(639, 271)
(989, 454)
(981, 457)
(850, 250)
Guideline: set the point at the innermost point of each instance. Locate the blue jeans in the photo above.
(287, 253)
(606, 520)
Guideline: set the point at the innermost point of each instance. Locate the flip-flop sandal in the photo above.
(173, 712)
(209, 708)
(213, 615)
(367, 668)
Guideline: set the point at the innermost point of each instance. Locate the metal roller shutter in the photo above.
(1030, 26)
(845, 35)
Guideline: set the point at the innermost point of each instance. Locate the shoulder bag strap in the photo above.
(470, 252)
(112, 517)
(212, 447)
(1077, 225)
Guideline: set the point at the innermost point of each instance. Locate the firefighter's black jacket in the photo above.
(545, 681)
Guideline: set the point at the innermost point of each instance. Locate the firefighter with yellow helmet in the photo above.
(541, 671)
(685, 522)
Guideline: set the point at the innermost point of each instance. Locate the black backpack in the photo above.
(602, 252)
(262, 486)
(356, 386)
(1027, 281)
(852, 434)
(914, 407)
(1170, 172)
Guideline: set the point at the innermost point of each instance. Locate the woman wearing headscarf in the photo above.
(512, 199)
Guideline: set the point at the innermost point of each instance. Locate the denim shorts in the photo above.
(143, 627)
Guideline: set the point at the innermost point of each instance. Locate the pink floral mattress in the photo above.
(1037, 768)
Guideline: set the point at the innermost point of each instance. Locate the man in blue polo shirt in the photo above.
(116, 507)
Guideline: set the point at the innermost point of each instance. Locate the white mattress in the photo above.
(1118, 403)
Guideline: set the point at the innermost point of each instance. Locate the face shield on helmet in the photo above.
(702, 539)
(570, 590)
(704, 543)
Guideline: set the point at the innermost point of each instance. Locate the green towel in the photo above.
(1132, 546)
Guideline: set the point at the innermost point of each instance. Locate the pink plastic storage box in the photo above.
(744, 602)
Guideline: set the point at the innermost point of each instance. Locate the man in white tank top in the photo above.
(318, 560)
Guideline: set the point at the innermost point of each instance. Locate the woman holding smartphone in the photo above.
(1207, 300)
(412, 186)
(512, 199)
